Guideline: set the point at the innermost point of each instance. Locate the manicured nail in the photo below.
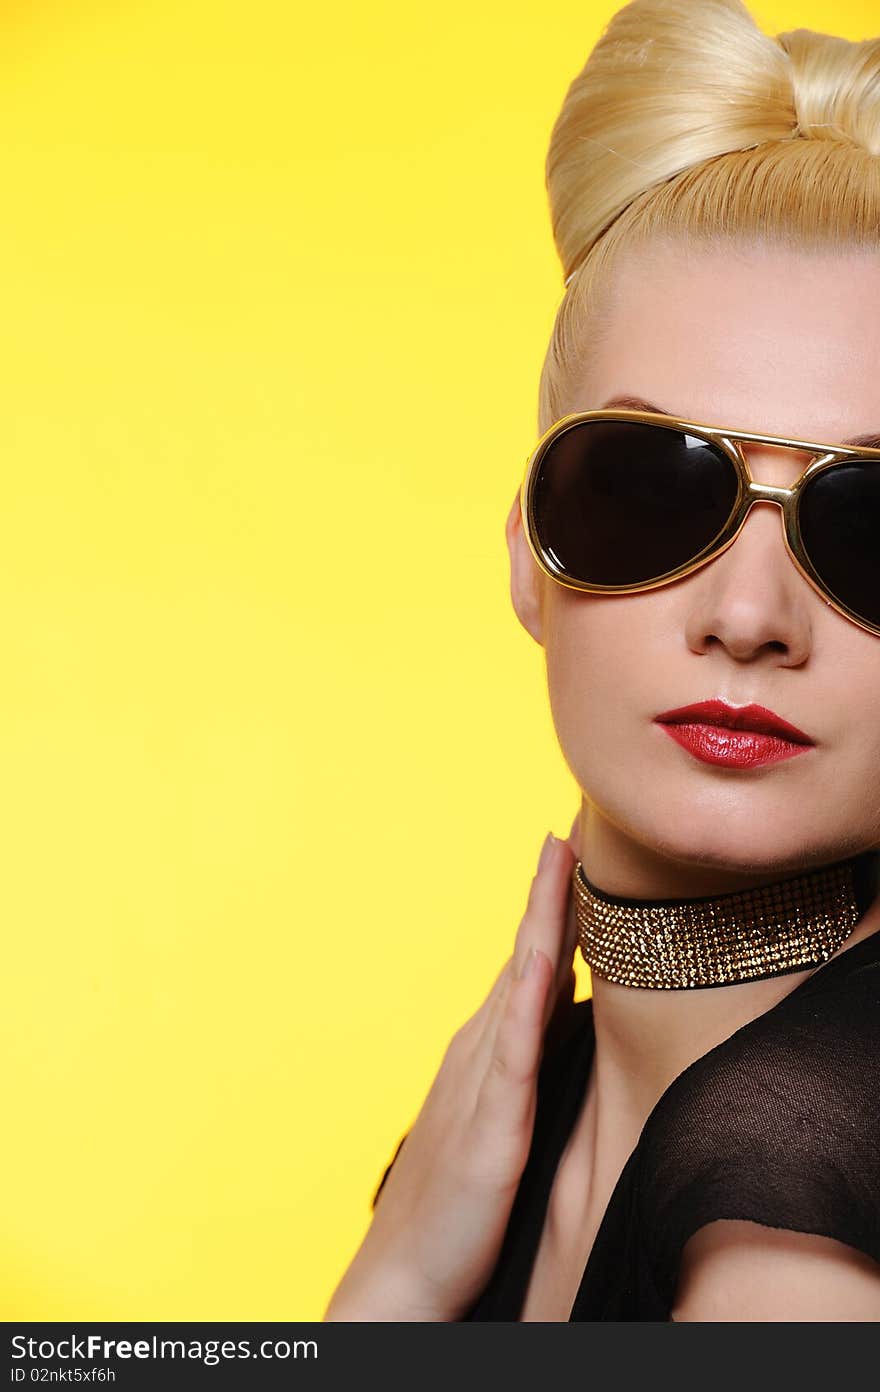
(546, 849)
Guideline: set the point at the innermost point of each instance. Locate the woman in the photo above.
(701, 1139)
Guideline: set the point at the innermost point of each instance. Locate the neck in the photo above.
(646, 1037)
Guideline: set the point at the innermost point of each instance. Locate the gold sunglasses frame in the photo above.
(748, 493)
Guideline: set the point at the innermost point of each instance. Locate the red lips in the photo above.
(733, 737)
(756, 718)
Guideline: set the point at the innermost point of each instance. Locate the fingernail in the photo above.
(546, 849)
(530, 962)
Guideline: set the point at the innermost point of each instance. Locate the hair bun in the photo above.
(687, 119)
(673, 83)
(836, 87)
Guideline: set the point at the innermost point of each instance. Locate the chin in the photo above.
(737, 832)
(748, 849)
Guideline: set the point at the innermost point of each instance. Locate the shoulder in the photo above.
(735, 1270)
(803, 1073)
(766, 1152)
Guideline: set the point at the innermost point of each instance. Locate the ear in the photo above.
(526, 579)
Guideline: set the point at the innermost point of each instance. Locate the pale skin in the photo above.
(775, 342)
(762, 339)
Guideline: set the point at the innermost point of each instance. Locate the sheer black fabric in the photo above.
(779, 1125)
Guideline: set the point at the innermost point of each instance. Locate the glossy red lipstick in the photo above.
(733, 736)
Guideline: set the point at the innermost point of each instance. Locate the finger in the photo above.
(506, 1094)
(566, 980)
(543, 927)
(570, 937)
(488, 1017)
(485, 1022)
(572, 926)
(542, 924)
(497, 988)
(520, 944)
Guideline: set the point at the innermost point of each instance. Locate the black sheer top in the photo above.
(779, 1124)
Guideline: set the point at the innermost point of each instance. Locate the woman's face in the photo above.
(758, 339)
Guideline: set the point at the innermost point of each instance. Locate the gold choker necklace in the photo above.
(718, 940)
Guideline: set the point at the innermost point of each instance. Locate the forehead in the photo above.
(750, 336)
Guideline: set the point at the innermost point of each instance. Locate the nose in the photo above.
(751, 601)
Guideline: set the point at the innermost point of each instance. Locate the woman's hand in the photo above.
(440, 1219)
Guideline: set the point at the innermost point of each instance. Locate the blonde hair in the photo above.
(688, 121)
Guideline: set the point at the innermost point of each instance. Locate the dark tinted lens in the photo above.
(620, 502)
(840, 526)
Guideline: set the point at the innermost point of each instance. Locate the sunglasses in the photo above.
(619, 501)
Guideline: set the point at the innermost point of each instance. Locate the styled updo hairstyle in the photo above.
(688, 121)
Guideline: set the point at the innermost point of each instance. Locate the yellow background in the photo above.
(277, 759)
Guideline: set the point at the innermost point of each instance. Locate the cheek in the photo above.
(613, 663)
(599, 653)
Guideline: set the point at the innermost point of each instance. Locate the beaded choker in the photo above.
(718, 940)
